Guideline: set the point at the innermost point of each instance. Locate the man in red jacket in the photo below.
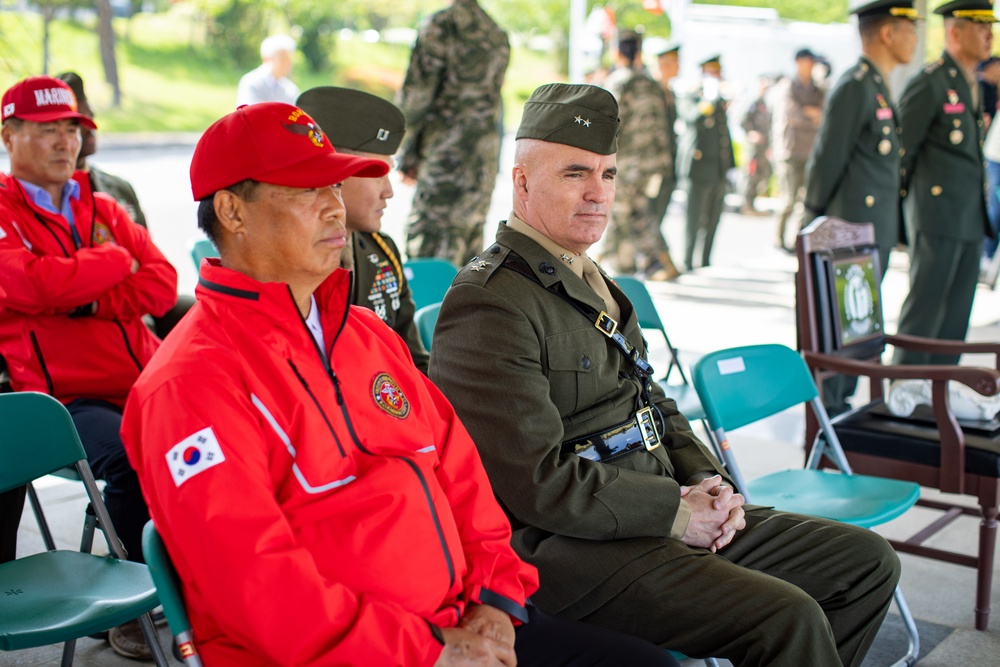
(319, 498)
(76, 278)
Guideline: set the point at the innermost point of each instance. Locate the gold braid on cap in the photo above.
(978, 15)
(905, 12)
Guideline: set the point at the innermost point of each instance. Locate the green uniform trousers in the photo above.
(704, 208)
(792, 173)
(789, 591)
(943, 275)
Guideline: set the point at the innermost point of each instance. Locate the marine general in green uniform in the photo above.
(854, 172)
(362, 124)
(945, 207)
(629, 518)
(854, 169)
(704, 157)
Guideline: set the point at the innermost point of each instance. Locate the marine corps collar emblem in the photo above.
(389, 397)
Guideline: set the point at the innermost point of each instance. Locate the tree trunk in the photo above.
(107, 35)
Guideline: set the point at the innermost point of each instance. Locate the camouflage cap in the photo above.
(354, 120)
(577, 115)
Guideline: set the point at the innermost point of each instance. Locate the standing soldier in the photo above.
(669, 62)
(704, 156)
(800, 113)
(945, 209)
(451, 99)
(854, 172)
(635, 241)
(757, 124)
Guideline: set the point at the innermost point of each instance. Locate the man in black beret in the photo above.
(631, 521)
(362, 124)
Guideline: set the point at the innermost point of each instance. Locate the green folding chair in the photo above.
(201, 249)
(425, 319)
(742, 385)
(429, 279)
(168, 586)
(649, 320)
(59, 596)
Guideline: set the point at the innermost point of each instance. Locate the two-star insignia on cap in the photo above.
(579, 120)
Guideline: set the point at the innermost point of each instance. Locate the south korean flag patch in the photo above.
(194, 454)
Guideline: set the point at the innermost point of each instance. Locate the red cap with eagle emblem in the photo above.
(274, 143)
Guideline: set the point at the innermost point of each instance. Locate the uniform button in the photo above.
(494, 249)
(902, 152)
(902, 193)
(885, 129)
(902, 172)
(899, 130)
(697, 155)
(869, 201)
(585, 362)
(937, 190)
(545, 267)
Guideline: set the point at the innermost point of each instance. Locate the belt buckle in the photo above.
(606, 324)
(647, 428)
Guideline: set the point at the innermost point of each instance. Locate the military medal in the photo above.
(885, 147)
(952, 96)
(710, 123)
(956, 137)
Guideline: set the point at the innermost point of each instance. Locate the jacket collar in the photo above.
(274, 300)
(550, 270)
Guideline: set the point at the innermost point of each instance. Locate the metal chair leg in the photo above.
(913, 650)
(43, 524)
(153, 639)
(69, 648)
(711, 662)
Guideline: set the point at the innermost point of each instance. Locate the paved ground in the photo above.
(746, 297)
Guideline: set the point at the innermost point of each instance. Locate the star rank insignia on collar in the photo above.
(480, 265)
(566, 258)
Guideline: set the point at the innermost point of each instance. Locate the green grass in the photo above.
(172, 82)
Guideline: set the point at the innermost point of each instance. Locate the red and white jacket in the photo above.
(318, 513)
(46, 281)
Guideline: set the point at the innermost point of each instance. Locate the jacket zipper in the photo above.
(128, 345)
(315, 401)
(354, 436)
(41, 361)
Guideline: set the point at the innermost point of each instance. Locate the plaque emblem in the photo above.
(955, 137)
(885, 147)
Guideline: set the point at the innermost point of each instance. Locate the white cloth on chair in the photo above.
(905, 395)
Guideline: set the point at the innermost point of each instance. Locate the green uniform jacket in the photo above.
(379, 285)
(705, 152)
(118, 188)
(943, 162)
(525, 372)
(854, 169)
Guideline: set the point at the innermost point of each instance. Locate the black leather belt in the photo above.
(637, 433)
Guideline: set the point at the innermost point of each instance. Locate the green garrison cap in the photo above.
(867, 10)
(577, 115)
(980, 11)
(355, 120)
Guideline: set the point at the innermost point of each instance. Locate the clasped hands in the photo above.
(484, 638)
(716, 514)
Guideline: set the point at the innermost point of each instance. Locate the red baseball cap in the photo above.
(42, 99)
(274, 143)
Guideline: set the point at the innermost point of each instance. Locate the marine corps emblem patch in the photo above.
(388, 397)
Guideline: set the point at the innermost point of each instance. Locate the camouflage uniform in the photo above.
(634, 241)
(757, 118)
(451, 99)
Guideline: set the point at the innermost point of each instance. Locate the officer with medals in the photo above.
(854, 170)
(631, 521)
(705, 155)
(358, 123)
(945, 208)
